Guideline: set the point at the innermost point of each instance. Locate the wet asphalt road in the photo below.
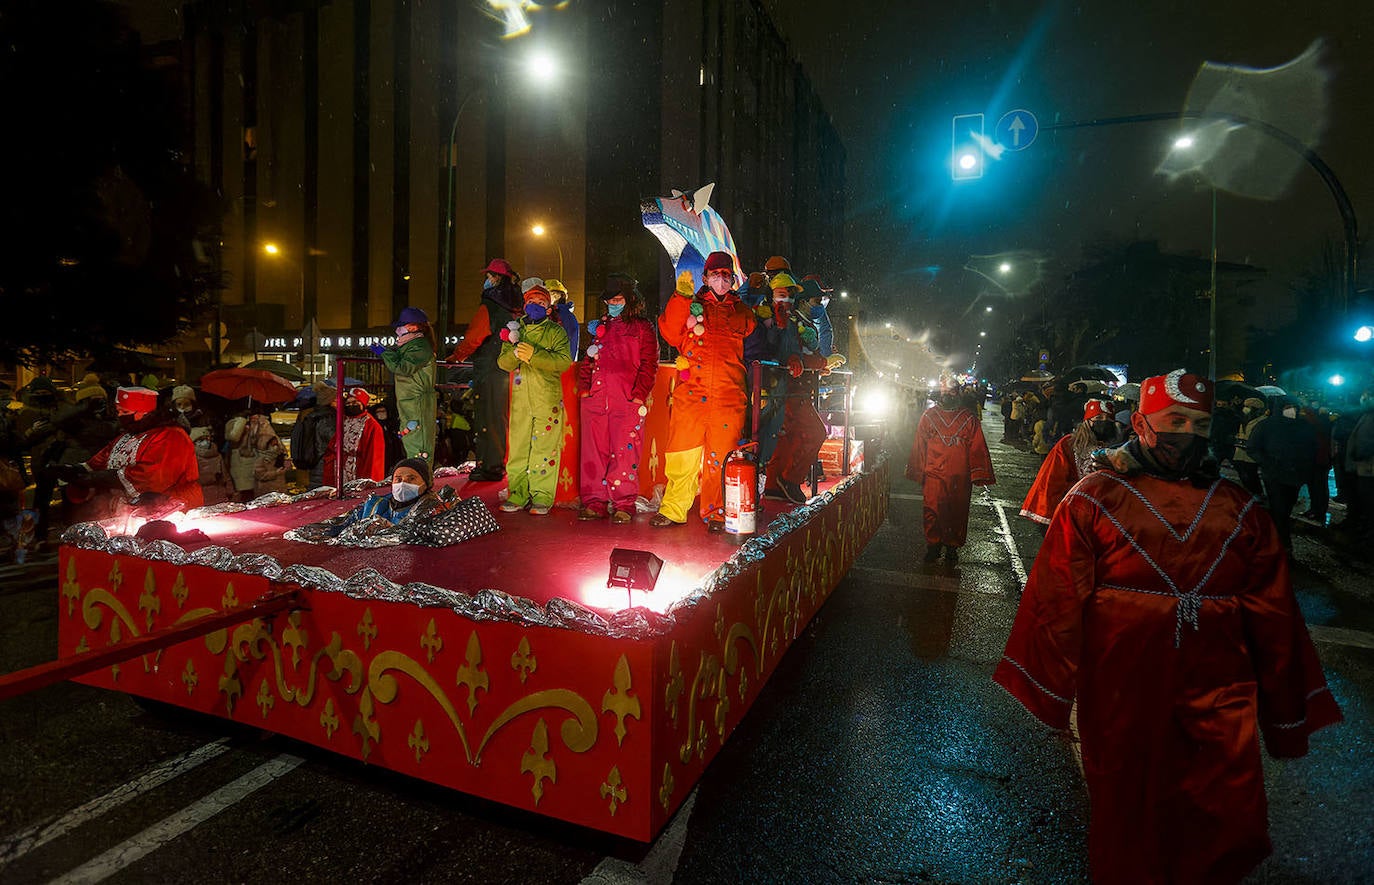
(879, 752)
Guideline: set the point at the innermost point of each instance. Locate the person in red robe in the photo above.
(1160, 603)
(152, 463)
(364, 442)
(1070, 460)
(948, 458)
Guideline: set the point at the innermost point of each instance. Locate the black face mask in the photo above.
(1105, 431)
(1180, 454)
(353, 411)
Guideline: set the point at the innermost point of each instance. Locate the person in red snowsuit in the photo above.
(615, 378)
(151, 463)
(803, 431)
(948, 458)
(1161, 603)
(364, 442)
(1070, 460)
(708, 399)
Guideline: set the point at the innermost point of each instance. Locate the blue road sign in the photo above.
(1016, 130)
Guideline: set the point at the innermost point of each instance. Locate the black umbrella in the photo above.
(120, 361)
(1087, 373)
(1228, 389)
(277, 367)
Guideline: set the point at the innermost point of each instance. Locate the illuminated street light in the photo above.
(1004, 267)
(1364, 333)
(844, 294)
(982, 334)
(543, 66)
(1336, 380)
(988, 309)
(887, 325)
(539, 230)
(1183, 142)
(271, 248)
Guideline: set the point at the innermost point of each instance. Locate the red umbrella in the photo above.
(258, 384)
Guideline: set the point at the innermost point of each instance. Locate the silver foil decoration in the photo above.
(484, 605)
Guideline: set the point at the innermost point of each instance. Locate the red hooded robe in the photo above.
(1166, 611)
(948, 457)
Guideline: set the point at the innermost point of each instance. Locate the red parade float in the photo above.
(550, 665)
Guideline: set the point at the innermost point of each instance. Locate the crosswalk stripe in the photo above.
(141, 845)
(20, 843)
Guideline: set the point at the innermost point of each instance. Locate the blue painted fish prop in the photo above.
(689, 230)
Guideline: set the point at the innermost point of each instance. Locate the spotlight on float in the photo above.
(1336, 380)
(1364, 333)
(633, 570)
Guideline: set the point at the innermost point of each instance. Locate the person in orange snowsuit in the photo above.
(708, 328)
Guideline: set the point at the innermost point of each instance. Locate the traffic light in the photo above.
(966, 149)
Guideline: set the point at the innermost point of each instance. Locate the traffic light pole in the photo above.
(1328, 176)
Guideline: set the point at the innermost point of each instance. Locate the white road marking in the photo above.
(659, 865)
(139, 846)
(20, 843)
(1017, 568)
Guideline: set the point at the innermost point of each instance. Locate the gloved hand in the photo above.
(763, 310)
(524, 351)
(377, 349)
(102, 479)
(834, 361)
(70, 473)
(794, 366)
(684, 284)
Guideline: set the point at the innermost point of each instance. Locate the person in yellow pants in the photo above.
(536, 353)
(708, 328)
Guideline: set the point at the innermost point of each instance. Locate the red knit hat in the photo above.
(1178, 388)
(136, 400)
(1095, 408)
(502, 268)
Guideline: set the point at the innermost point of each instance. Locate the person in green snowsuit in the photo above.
(536, 353)
(411, 361)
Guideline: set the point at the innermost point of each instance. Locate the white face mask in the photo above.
(405, 491)
(1290, 412)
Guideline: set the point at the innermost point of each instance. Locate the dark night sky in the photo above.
(893, 74)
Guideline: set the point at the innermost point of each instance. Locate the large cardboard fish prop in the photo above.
(689, 230)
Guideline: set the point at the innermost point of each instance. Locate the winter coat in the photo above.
(715, 358)
(1242, 453)
(626, 360)
(1285, 449)
(541, 378)
(413, 365)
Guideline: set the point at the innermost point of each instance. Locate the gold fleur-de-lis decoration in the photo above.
(294, 637)
(665, 791)
(618, 701)
(614, 790)
(522, 662)
(471, 673)
(720, 622)
(701, 740)
(148, 601)
(536, 761)
(82, 646)
(329, 721)
(722, 707)
(417, 740)
(115, 577)
(565, 479)
(674, 687)
(758, 598)
(265, 700)
(230, 599)
(114, 672)
(743, 683)
(71, 589)
(189, 677)
(364, 726)
(653, 458)
(179, 591)
(431, 641)
(367, 629)
(229, 684)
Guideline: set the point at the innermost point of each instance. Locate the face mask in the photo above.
(204, 447)
(536, 312)
(720, 283)
(381, 416)
(614, 309)
(1180, 454)
(405, 491)
(1290, 412)
(182, 411)
(817, 311)
(1103, 430)
(488, 283)
(354, 410)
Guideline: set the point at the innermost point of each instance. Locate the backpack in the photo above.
(305, 442)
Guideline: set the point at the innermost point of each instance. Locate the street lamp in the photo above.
(1004, 267)
(1364, 334)
(543, 68)
(539, 230)
(275, 251)
(1183, 143)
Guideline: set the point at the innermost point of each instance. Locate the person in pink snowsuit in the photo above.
(615, 379)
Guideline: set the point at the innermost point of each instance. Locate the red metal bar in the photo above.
(43, 675)
(338, 425)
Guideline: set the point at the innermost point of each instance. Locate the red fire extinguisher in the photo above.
(740, 479)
